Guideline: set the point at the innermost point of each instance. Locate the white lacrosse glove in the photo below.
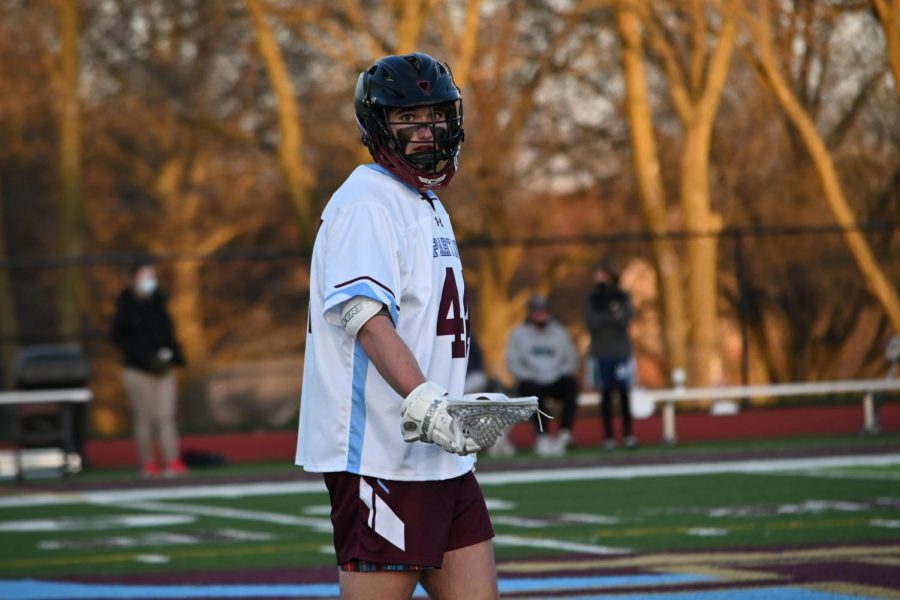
(424, 418)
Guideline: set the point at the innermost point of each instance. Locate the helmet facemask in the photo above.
(424, 149)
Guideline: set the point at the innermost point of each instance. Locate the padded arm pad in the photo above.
(357, 311)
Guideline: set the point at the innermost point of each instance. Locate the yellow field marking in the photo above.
(612, 532)
(856, 589)
(884, 562)
(702, 559)
(179, 553)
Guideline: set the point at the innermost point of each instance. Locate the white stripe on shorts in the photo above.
(387, 524)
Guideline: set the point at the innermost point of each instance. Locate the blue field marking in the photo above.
(537, 584)
(28, 589)
(760, 593)
(61, 590)
(58, 590)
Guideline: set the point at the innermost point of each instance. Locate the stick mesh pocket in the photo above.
(485, 420)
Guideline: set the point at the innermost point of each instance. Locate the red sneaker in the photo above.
(151, 469)
(175, 468)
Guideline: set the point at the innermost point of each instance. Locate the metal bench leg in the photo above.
(669, 435)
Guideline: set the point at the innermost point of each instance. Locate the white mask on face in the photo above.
(147, 286)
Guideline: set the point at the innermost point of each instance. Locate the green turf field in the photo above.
(598, 508)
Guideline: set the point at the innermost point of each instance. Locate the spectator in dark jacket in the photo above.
(142, 329)
(607, 314)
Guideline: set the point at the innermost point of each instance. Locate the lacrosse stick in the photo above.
(483, 417)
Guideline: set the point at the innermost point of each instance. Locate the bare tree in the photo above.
(650, 185)
(759, 28)
(71, 215)
(290, 139)
(504, 87)
(696, 70)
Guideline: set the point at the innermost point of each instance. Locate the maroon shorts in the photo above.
(410, 523)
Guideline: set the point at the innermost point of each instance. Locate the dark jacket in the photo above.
(141, 328)
(607, 312)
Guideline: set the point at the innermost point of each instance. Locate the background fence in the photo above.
(792, 304)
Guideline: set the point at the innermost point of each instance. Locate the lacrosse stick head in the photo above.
(484, 417)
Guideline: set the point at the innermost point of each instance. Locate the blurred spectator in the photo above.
(142, 329)
(542, 357)
(607, 313)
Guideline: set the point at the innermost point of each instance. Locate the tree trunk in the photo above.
(880, 286)
(651, 192)
(466, 44)
(187, 313)
(705, 364)
(495, 314)
(9, 327)
(411, 22)
(71, 216)
(290, 143)
(695, 97)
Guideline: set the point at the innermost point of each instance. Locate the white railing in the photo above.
(645, 400)
(68, 395)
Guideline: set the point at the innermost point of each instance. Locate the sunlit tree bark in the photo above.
(650, 186)
(462, 42)
(758, 27)
(290, 141)
(71, 214)
(412, 15)
(696, 94)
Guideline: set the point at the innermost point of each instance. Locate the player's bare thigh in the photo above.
(390, 585)
(467, 573)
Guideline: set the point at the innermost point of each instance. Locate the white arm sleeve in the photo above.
(356, 312)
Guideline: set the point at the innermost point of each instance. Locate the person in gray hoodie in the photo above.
(541, 355)
(607, 313)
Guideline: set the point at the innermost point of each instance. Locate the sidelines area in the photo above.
(826, 528)
(485, 479)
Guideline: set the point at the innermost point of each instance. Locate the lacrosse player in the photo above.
(387, 345)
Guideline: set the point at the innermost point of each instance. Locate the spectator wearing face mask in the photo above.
(143, 331)
(607, 313)
(541, 355)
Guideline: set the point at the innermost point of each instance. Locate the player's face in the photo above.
(420, 129)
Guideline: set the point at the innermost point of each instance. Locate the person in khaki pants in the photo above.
(143, 331)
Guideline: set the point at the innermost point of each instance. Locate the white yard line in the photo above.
(322, 525)
(545, 474)
(227, 490)
(686, 469)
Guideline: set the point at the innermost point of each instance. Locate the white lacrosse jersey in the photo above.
(381, 239)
